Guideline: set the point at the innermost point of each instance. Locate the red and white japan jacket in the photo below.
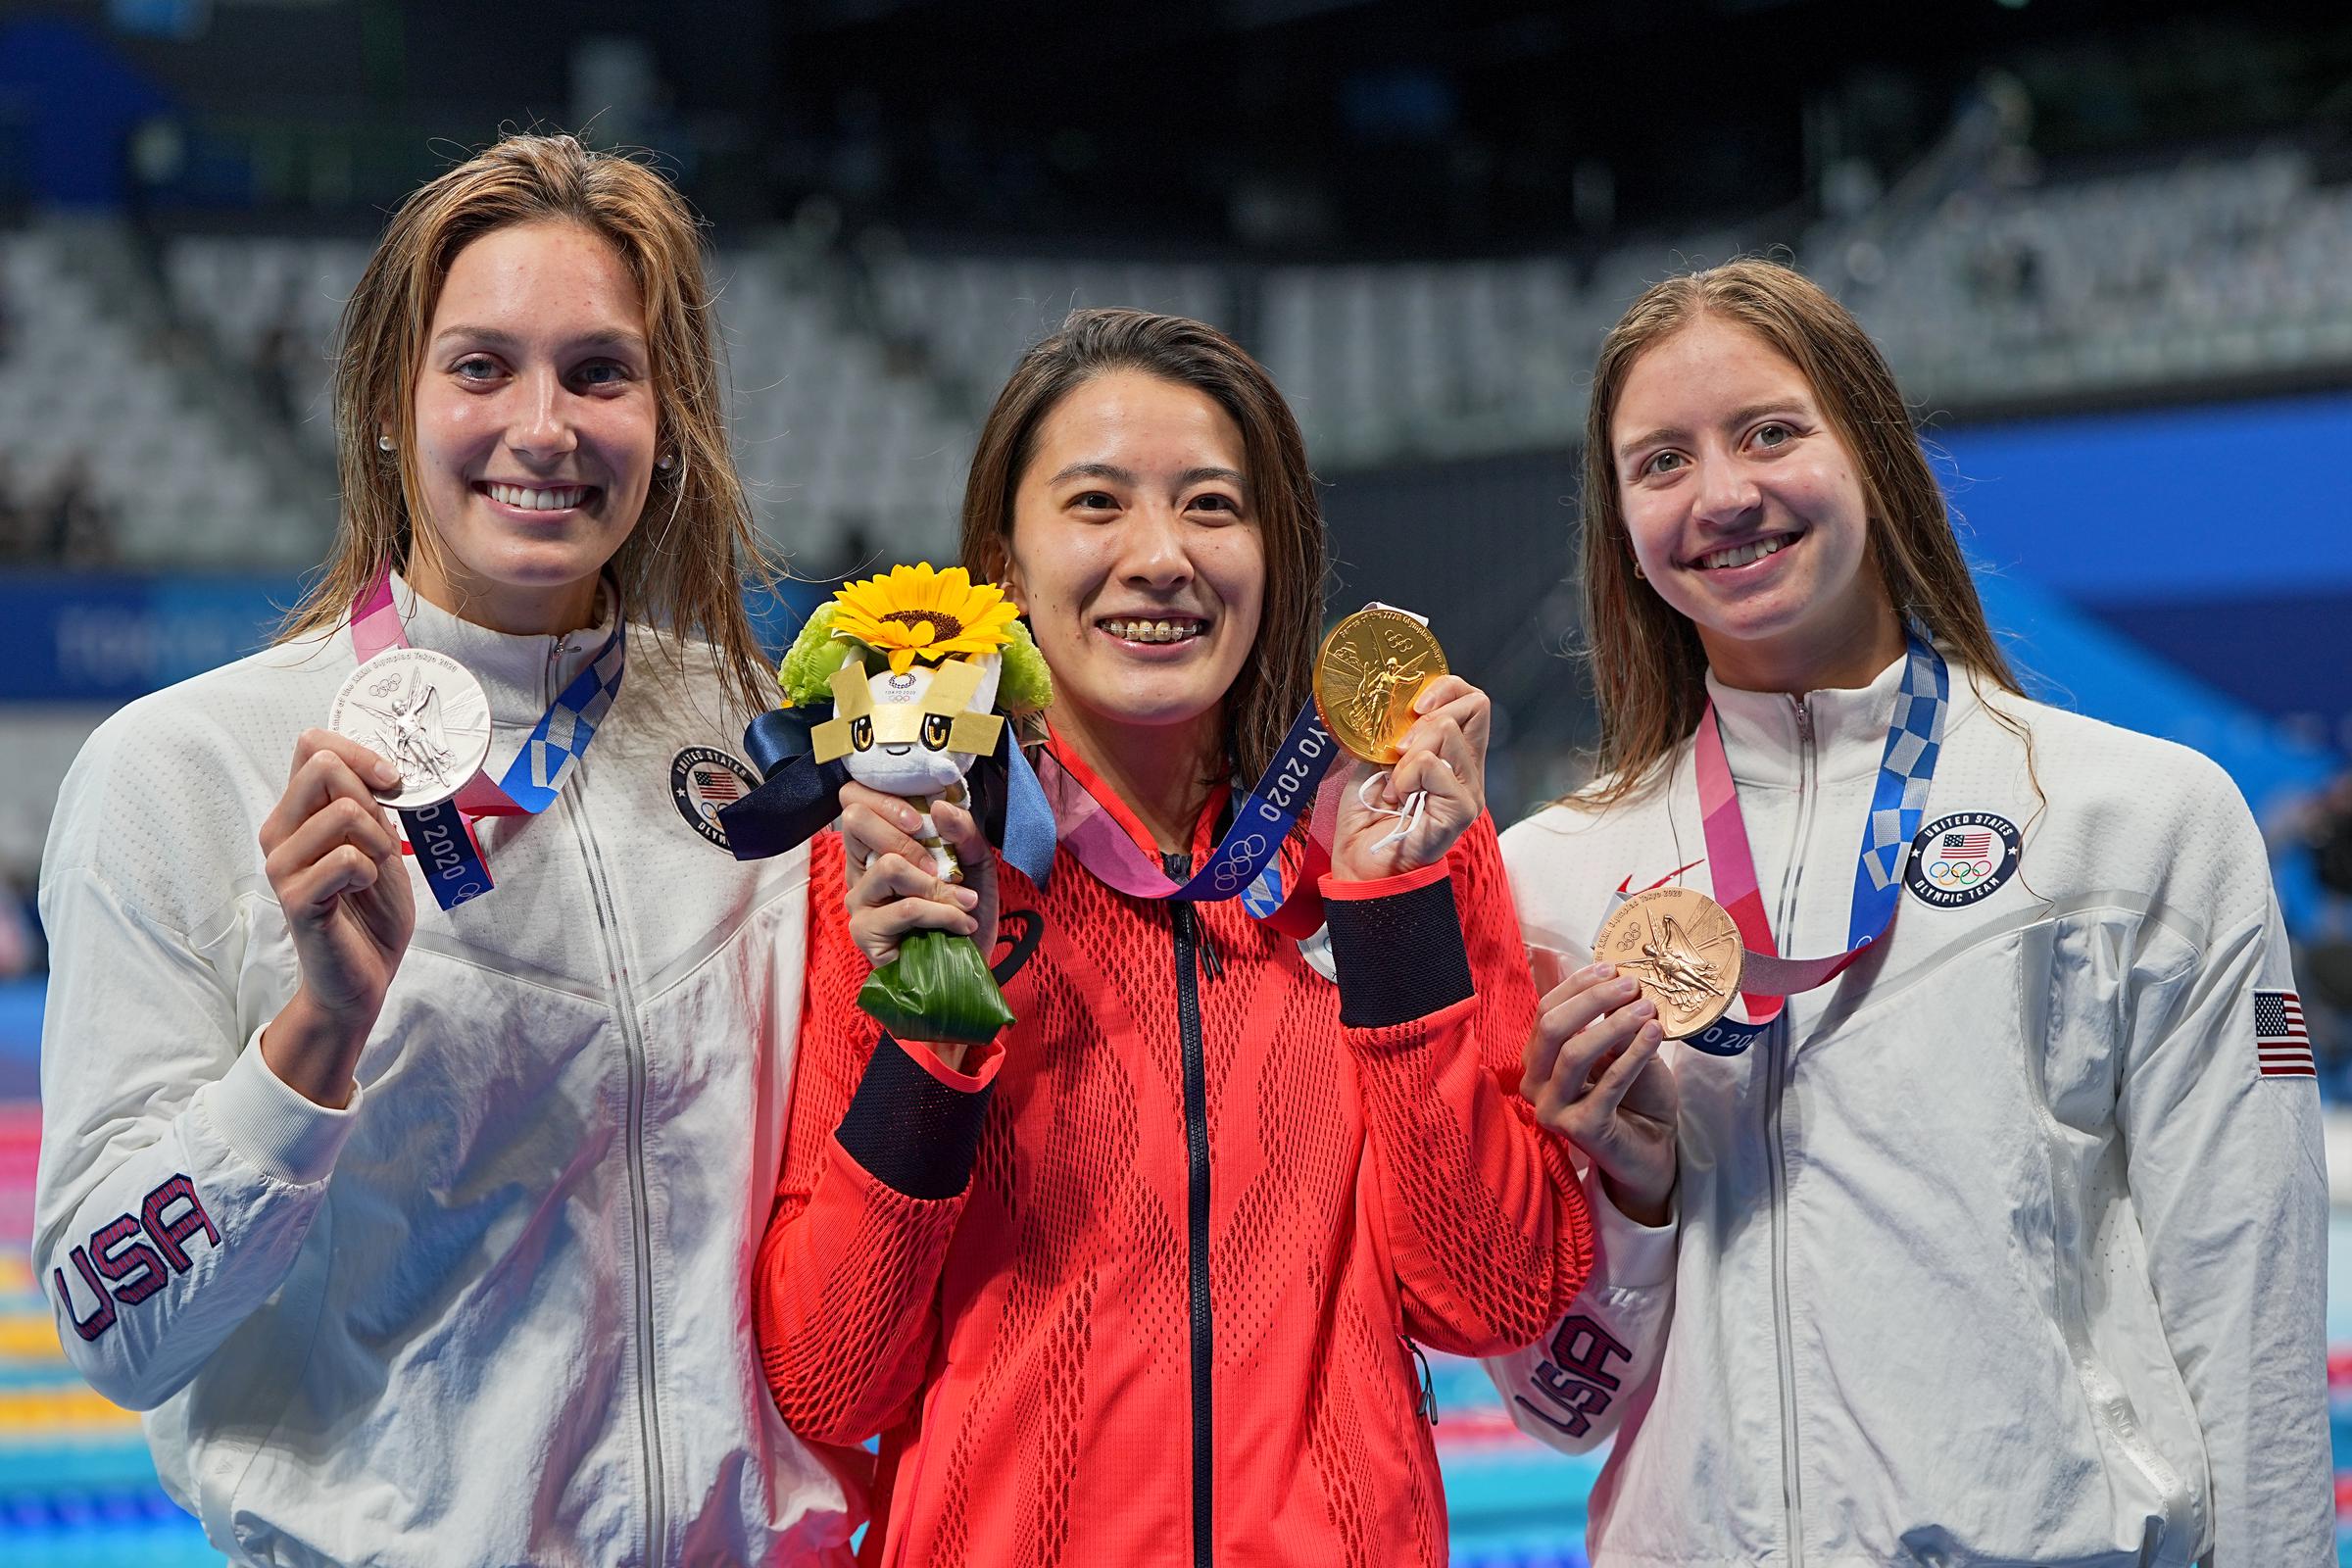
(1139, 1287)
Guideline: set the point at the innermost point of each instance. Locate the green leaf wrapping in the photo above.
(938, 988)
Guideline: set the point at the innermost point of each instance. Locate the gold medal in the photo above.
(1367, 673)
(1683, 950)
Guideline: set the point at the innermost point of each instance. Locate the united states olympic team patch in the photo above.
(1961, 858)
(702, 781)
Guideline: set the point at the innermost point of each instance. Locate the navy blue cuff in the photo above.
(1401, 957)
(911, 1132)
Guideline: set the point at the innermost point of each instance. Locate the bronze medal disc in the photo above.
(1685, 951)
(1367, 673)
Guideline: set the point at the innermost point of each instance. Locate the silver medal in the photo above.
(423, 712)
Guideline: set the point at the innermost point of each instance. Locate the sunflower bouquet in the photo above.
(920, 669)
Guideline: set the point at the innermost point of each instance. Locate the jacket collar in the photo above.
(1764, 744)
(520, 674)
(1204, 830)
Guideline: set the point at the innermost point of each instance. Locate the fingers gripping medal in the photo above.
(1368, 671)
(425, 714)
(428, 715)
(1682, 949)
(1692, 955)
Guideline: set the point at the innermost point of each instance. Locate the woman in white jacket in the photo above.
(2007, 1243)
(415, 1217)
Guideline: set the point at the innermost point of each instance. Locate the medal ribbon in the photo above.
(1914, 739)
(1247, 860)
(442, 836)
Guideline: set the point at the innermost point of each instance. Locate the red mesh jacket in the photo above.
(1134, 1288)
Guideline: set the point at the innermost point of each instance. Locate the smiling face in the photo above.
(536, 424)
(1136, 558)
(1747, 513)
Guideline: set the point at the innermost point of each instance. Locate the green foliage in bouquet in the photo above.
(1025, 686)
(938, 988)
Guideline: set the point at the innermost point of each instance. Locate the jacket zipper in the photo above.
(1777, 1075)
(649, 1413)
(1193, 954)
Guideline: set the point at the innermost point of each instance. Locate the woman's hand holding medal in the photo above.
(1594, 1078)
(1443, 756)
(334, 859)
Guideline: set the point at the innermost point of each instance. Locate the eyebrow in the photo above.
(603, 337)
(1118, 475)
(1669, 435)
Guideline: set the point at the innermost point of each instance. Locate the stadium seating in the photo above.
(859, 383)
(87, 391)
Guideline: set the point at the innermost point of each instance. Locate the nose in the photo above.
(542, 432)
(1156, 556)
(1727, 493)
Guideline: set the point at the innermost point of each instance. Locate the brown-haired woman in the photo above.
(2006, 1240)
(1136, 1282)
(416, 1217)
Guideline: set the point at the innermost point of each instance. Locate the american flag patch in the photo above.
(1965, 846)
(2282, 1044)
(718, 786)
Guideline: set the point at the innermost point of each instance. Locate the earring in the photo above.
(1639, 572)
(666, 462)
(383, 443)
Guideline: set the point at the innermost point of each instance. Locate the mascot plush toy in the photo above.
(921, 668)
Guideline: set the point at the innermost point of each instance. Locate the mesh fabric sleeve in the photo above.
(877, 1159)
(1488, 1224)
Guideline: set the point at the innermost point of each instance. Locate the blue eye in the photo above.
(1659, 463)
(602, 373)
(476, 368)
(1774, 435)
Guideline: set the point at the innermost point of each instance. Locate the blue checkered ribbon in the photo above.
(442, 836)
(1898, 802)
(535, 777)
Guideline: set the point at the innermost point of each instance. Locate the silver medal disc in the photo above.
(423, 712)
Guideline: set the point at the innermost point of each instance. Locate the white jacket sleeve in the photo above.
(1572, 1388)
(2228, 1180)
(178, 1175)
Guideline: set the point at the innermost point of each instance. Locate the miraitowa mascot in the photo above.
(920, 670)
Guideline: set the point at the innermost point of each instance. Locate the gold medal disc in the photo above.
(1367, 673)
(1685, 951)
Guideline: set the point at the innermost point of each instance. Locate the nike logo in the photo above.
(1625, 888)
(1021, 930)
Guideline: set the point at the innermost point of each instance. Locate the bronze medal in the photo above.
(1683, 950)
(1367, 673)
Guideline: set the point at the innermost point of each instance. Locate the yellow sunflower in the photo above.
(917, 612)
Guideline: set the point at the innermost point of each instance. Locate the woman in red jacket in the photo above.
(1136, 1282)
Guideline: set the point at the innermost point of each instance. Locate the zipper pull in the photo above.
(1425, 1400)
(1804, 720)
(1213, 967)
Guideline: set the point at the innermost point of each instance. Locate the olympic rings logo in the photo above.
(1959, 873)
(1232, 865)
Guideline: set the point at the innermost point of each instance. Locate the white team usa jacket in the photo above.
(494, 1311)
(2008, 1245)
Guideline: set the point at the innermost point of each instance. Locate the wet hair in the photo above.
(1275, 681)
(684, 564)
(1649, 668)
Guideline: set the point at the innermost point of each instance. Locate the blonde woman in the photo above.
(414, 1216)
(2004, 1240)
